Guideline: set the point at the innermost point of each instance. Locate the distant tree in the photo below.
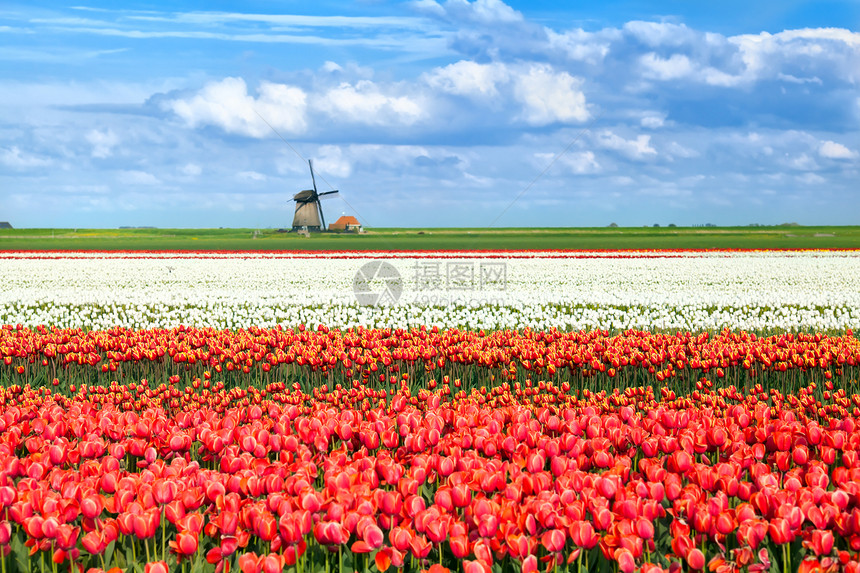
(672, 225)
(613, 225)
(656, 224)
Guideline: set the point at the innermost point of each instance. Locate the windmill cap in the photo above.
(304, 195)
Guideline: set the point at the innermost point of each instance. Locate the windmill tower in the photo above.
(309, 213)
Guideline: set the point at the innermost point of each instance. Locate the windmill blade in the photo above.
(311, 163)
(327, 193)
(322, 217)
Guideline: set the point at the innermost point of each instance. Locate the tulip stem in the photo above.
(163, 535)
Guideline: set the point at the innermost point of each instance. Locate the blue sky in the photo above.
(430, 112)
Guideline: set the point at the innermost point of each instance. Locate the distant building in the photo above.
(346, 223)
(5, 225)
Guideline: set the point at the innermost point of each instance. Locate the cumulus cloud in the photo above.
(639, 148)
(581, 163)
(673, 52)
(228, 105)
(251, 176)
(13, 157)
(480, 11)
(103, 142)
(811, 179)
(468, 78)
(136, 177)
(800, 161)
(191, 170)
(671, 68)
(581, 46)
(365, 103)
(653, 120)
(833, 150)
(331, 161)
(654, 34)
(549, 97)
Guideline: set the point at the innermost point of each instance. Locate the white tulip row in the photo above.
(759, 291)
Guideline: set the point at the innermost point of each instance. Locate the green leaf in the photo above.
(109, 554)
(20, 552)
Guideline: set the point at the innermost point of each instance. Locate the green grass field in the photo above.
(781, 237)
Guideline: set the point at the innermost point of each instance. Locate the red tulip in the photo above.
(461, 495)
(459, 546)
(186, 543)
(553, 540)
(248, 563)
(475, 567)
(5, 532)
(583, 535)
(779, 531)
(822, 542)
(419, 546)
(92, 506)
(530, 564)
(626, 562)
(696, 559)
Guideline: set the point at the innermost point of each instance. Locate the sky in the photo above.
(430, 113)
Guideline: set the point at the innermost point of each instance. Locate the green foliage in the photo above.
(773, 237)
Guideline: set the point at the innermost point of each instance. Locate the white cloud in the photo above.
(581, 46)
(800, 161)
(819, 51)
(103, 142)
(14, 158)
(582, 163)
(331, 161)
(811, 179)
(672, 68)
(365, 103)
(833, 150)
(480, 11)
(653, 120)
(191, 170)
(675, 149)
(227, 104)
(468, 78)
(548, 96)
(251, 176)
(655, 34)
(135, 177)
(430, 7)
(638, 148)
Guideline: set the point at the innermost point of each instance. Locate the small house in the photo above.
(347, 223)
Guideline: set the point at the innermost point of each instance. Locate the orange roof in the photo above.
(347, 220)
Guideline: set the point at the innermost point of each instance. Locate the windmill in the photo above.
(309, 213)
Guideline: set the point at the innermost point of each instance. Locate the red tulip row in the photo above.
(359, 478)
(572, 360)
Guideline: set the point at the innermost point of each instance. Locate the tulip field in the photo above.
(489, 412)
